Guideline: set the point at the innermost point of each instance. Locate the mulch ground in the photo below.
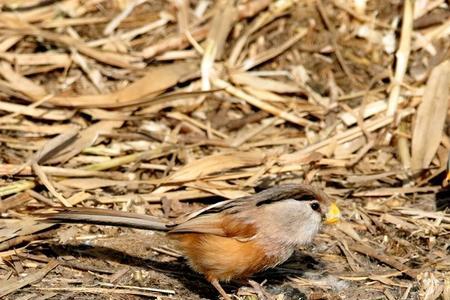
(163, 107)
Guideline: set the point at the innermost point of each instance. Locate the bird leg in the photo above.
(219, 288)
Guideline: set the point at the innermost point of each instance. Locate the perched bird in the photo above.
(232, 239)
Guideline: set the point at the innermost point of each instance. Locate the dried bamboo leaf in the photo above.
(155, 82)
(245, 135)
(431, 116)
(402, 56)
(46, 182)
(9, 286)
(273, 52)
(54, 145)
(227, 193)
(246, 10)
(244, 78)
(220, 28)
(8, 170)
(21, 83)
(91, 183)
(399, 223)
(262, 104)
(176, 42)
(342, 137)
(156, 197)
(216, 164)
(396, 191)
(118, 161)
(46, 58)
(265, 94)
(38, 129)
(385, 258)
(87, 137)
(115, 22)
(182, 117)
(38, 113)
(10, 229)
(16, 187)
(115, 59)
(349, 118)
(275, 10)
(37, 11)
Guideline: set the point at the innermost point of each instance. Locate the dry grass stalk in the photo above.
(402, 56)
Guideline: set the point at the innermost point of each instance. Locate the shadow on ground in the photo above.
(180, 271)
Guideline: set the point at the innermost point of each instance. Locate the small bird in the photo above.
(232, 239)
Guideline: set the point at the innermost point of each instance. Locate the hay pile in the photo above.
(162, 107)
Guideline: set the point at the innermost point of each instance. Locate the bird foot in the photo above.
(219, 288)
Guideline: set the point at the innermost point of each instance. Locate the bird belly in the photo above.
(224, 258)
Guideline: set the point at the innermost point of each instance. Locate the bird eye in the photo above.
(315, 206)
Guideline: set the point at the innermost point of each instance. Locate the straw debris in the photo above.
(162, 107)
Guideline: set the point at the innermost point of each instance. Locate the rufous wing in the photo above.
(218, 224)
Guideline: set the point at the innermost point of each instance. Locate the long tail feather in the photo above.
(103, 217)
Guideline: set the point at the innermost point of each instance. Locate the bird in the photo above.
(231, 239)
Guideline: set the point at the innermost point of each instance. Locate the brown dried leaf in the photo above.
(90, 183)
(10, 229)
(215, 164)
(276, 86)
(87, 137)
(20, 83)
(156, 81)
(9, 286)
(431, 117)
(38, 113)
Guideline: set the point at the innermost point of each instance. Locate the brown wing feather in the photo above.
(211, 224)
(217, 224)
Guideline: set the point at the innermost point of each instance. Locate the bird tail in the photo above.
(103, 217)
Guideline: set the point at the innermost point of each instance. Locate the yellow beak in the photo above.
(333, 214)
